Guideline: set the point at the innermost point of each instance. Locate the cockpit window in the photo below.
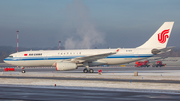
(10, 56)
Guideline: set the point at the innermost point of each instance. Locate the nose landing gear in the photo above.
(23, 71)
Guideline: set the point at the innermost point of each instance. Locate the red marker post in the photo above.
(99, 71)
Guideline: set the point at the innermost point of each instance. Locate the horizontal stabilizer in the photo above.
(160, 51)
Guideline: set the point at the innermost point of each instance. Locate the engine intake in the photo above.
(60, 66)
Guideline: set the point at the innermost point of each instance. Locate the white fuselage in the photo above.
(50, 57)
(72, 59)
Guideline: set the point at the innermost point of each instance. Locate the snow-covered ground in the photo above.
(149, 75)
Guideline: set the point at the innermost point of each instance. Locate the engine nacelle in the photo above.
(65, 66)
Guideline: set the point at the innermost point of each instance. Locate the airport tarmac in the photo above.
(81, 94)
(115, 83)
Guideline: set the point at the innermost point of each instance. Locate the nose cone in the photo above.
(5, 60)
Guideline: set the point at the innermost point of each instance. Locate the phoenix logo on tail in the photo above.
(162, 36)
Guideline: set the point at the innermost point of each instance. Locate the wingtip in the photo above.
(117, 50)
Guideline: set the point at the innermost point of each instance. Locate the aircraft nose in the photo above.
(5, 60)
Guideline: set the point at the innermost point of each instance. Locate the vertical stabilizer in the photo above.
(160, 38)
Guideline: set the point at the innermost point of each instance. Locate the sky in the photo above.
(86, 24)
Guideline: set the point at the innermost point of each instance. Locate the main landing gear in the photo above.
(88, 71)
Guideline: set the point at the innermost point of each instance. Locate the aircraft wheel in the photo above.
(85, 71)
(23, 71)
(91, 71)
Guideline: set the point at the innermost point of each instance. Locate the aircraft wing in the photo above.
(160, 51)
(92, 57)
(156, 59)
(160, 58)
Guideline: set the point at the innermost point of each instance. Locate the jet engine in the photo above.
(65, 66)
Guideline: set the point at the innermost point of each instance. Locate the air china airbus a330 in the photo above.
(72, 59)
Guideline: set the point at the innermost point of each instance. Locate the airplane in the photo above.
(72, 59)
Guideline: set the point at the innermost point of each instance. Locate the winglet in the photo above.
(117, 50)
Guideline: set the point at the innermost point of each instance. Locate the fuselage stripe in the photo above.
(70, 57)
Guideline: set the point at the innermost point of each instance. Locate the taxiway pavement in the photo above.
(115, 83)
(81, 94)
